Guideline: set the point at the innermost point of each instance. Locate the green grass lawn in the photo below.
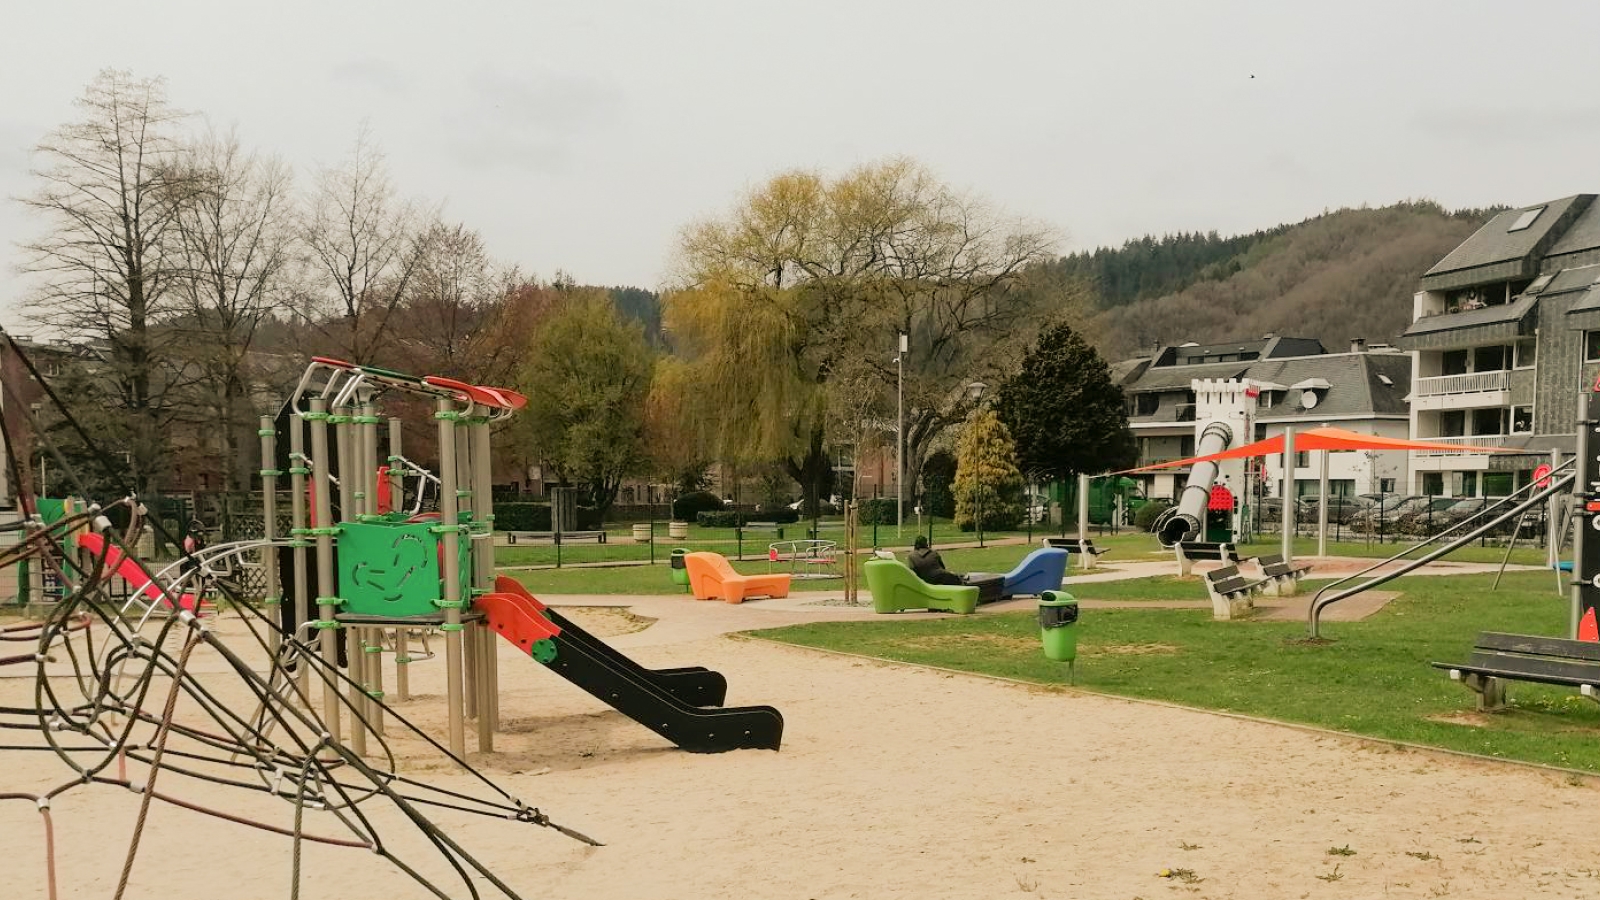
(1373, 679)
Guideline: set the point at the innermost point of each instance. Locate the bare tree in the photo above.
(233, 248)
(363, 247)
(109, 199)
(454, 321)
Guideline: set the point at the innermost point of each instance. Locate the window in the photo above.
(1264, 400)
(1527, 354)
(1466, 484)
(1453, 362)
(1521, 419)
(1452, 423)
(1526, 219)
(1186, 446)
(1591, 346)
(1385, 485)
(1432, 483)
(1498, 484)
(1302, 459)
(1146, 404)
(1488, 421)
(1491, 359)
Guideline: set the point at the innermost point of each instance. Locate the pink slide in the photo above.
(131, 570)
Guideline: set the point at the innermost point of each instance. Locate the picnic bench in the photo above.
(1232, 594)
(556, 537)
(1498, 658)
(1091, 554)
(1190, 552)
(1280, 577)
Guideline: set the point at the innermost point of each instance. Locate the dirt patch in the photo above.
(1156, 649)
(607, 621)
(1461, 717)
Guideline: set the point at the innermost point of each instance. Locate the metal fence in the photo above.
(1401, 520)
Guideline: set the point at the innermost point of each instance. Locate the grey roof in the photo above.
(1270, 347)
(1588, 302)
(1174, 378)
(1493, 244)
(1488, 315)
(1582, 234)
(1577, 279)
(1355, 390)
(1128, 370)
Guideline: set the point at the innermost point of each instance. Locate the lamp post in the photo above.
(900, 435)
(975, 391)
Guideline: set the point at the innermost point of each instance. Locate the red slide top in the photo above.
(330, 361)
(471, 392)
(516, 620)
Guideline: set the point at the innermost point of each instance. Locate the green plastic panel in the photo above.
(392, 568)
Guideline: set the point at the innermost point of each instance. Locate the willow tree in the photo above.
(809, 276)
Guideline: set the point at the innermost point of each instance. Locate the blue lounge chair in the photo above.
(1040, 571)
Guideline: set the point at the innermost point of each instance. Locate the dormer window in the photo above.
(1526, 219)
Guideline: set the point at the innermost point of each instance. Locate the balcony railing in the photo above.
(1151, 459)
(1469, 383)
(1471, 440)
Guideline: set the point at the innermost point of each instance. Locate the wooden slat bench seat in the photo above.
(1498, 657)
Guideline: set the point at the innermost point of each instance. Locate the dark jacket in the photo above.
(927, 564)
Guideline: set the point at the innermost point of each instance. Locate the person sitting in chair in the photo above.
(929, 566)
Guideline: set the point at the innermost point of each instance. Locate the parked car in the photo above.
(1425, 518)
(1340, 509)
(1380, 516)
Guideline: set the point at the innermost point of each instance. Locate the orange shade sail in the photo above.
(1320, 439)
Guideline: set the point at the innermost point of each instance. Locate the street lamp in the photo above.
(975, 391)
(900, 435)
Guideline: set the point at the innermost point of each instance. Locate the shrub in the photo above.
(688, 507)
(721, 518)
(523, 516)
(1145, 518)
(877, 511)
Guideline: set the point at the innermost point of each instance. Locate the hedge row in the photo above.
(536, 517)
(727, 518)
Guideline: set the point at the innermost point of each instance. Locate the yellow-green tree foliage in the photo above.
(587, 378)
(808, 277)
(986, 475)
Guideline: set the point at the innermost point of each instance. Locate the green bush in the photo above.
(688, 507)
(1145, 518)
(877, 511)
(721, 518)
(523, 516)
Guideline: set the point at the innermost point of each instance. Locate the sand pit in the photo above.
(894, 782)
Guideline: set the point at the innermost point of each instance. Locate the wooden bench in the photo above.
(772, 528)
(1190, 552)
(564, 537)
(1232, 594)
(1282, 578)
(1083, 546)
(1497, 658)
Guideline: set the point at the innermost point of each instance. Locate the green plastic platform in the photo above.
(391, 569)
(895, 588)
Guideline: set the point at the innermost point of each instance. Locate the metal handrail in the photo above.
(1318, 602)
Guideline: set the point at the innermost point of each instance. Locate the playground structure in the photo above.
(1224, 419)
(379, 575)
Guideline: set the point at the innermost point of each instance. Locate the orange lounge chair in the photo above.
(711, 578)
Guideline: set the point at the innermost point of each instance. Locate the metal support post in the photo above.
(1286, 503)
(323, 528)
(298, 522)
(350, 498)
(397, 497)
(1322, 507)
(450, 537)
(367, 432)
(483, 577)
(269, 525)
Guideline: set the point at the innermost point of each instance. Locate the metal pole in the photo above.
(483, 578)
(367, 431)
(900, 437)
(322, 526)
(298, 522)
(397, 501)
(1288, 494)
(269, 522)
(1322, 507)
(1083, 522)
(1582, 487)
(466, 503)
(350, 498)
(450, 540)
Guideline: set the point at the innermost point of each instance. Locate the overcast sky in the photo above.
(583, 135)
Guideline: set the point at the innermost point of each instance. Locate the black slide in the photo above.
(681, 705)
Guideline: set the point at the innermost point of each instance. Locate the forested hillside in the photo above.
(1341, 275)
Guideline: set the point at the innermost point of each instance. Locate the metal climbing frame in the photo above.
(452, 557)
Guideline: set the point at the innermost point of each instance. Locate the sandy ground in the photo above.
(894, 782)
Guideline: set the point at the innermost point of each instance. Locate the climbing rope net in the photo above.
(150, 704)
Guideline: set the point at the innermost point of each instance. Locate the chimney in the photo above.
(1358, 345)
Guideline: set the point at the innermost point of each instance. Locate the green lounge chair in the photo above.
(895, 588)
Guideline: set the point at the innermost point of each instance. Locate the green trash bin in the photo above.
(680, 571)
(1058, 627)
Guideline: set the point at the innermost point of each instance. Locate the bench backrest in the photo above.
(1206, 550)
(715, 561)
(1222, 573)
(1273, 559)
(1535, 645)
